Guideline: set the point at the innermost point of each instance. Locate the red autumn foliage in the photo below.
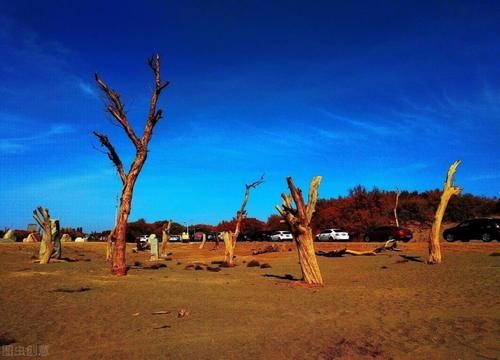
(357, 213)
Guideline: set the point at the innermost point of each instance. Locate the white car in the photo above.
(332, 235)
(174, 238)
(142, 242)
(281, 236)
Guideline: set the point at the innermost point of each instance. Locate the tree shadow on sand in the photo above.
(288, 277)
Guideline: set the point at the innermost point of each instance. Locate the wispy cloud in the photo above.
(339, 136)
(9, 147)
(47, 65)
(86, 88)
(19, 144)
(365, 126)
(483, 177)
(28, 48)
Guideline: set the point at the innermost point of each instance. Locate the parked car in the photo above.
(281, 236)
(261, 236)
(332, 235)
(212, 236)
(198, 236)
(142, 242)
(244, 237)
(174, 238)
(384, 233)
(485, 229)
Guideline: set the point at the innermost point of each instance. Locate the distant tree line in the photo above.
(356, 212)
(362, 210)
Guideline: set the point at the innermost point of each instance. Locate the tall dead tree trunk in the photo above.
(115, 107)
(449, 190)
(396, 207)
(240, 215)
(299, 221)
(165, 237)
(46, 245)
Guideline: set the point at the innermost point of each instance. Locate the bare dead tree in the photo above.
(165, 237)
(114, 106)
(435, 256)
(46, 245)
(230, 245)
(299, 221)
(398, 192)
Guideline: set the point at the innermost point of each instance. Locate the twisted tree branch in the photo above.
(116, 109)
(112, 155)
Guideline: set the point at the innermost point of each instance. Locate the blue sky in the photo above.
(379, 93)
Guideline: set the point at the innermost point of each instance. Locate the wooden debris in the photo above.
(161, 312)
(68, 290)
(162, 327)
(390, 245)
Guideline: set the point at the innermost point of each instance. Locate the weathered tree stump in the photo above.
(299, 221)
(56, 239)
(153, 244)
(110, 241)
(165, 237)
(435, 256)
(46, 246)
(227, 237)
(203, 241)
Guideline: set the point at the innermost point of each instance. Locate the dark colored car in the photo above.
(485, 229)
(384, 233)
(244, 237)
(262, 236)
(212, 236)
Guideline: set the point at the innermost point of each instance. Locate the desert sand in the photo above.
(382, 306)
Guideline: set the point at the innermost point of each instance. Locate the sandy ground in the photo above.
(371, 307)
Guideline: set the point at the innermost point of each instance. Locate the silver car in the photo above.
(332, 235)
(281, 236)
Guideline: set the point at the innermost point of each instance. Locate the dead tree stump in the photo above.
(203, 240)
(435, 256)
(299, 221)
(229, 246)
(165, 237)
(46, 245)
